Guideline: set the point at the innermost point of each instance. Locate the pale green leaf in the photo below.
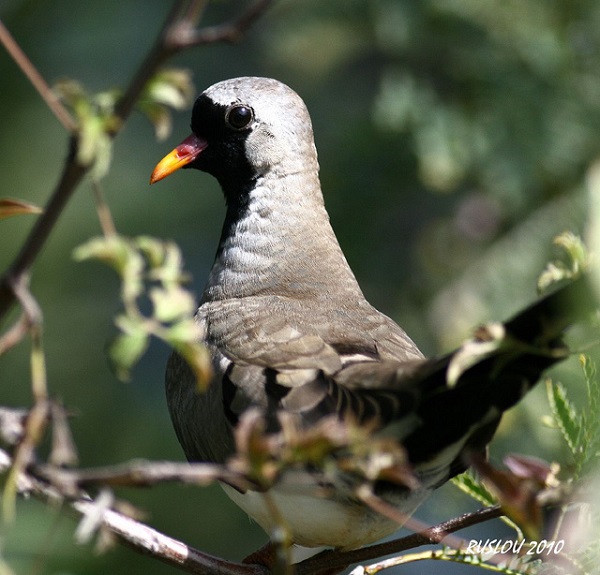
(154, 249)
(160, 117)
(115, 251)
(170, 269)
(171, 87)
(470, 485)
(197, 357)
(184, 331)
(172, 303)
(125, 350)
(569, 422)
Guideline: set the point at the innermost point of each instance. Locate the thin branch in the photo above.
(130, 532)
(328, 561)
(160, 51)
(14, 334)
(26, 66)
(230, 32)
(139, 474)
(104, 215)
(72, 175)
(179, 18)
(52, 483)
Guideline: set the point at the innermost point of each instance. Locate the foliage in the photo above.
(137, 262)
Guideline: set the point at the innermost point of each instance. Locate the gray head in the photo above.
(242, 129)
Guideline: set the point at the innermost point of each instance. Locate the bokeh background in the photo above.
(455, 140)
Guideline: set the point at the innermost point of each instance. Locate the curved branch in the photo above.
(182, 16)
(36, 79)
(329, 561)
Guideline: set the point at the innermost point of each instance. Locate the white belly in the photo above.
(314, 521)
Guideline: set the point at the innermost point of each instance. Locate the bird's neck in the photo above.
(278, 240)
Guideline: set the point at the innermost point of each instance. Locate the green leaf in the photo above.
(120, 254)
(172, 303)
(469, 484)
(10, 207)
(169, 88)
(97, 123)
(569, 422)
(160, 117)
(170, 270)
(590, 418)
(153, 249)
(197, 357)
(126, 348)
(114, 251)
(184, 331)
(577, 261)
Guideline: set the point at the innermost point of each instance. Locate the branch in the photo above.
(51, 483)
(71, 177)
(179, 33)
(183, 16)
(231, 32)
(335, 561)
(36, 79)
(139, 474)
(128, 531)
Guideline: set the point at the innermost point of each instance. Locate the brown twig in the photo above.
(130, 532)
(104, 216)
(183, 15)
(14, 334)
(53, 483)
(139, 474)
(36, 79)
(329, 561)
(72, 174)
(230, 32)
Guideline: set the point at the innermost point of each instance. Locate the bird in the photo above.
(291, 335)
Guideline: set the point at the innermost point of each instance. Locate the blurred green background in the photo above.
(454, 138)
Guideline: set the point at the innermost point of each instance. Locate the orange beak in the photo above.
(181, 156)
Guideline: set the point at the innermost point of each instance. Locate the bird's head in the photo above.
(243, 128)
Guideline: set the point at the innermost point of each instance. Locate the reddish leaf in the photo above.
(9, 207)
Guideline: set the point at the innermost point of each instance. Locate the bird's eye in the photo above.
(239, 117)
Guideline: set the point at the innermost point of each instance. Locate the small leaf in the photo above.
(469, 484)
(565, 415)
(160, 117)
(120, 254)
(172, 303)
(95, 114)
(197, 357)
(10, 207)
(184, 331)
(169, 88)
(170, 269)
(127, 347)
(114, 251)
(575, 249)
(153, 249)
(577, 261)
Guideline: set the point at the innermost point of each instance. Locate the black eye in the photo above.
(239, 117)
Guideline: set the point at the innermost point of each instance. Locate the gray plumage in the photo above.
(289, 329)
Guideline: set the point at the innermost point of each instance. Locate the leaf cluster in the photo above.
(150, 269)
